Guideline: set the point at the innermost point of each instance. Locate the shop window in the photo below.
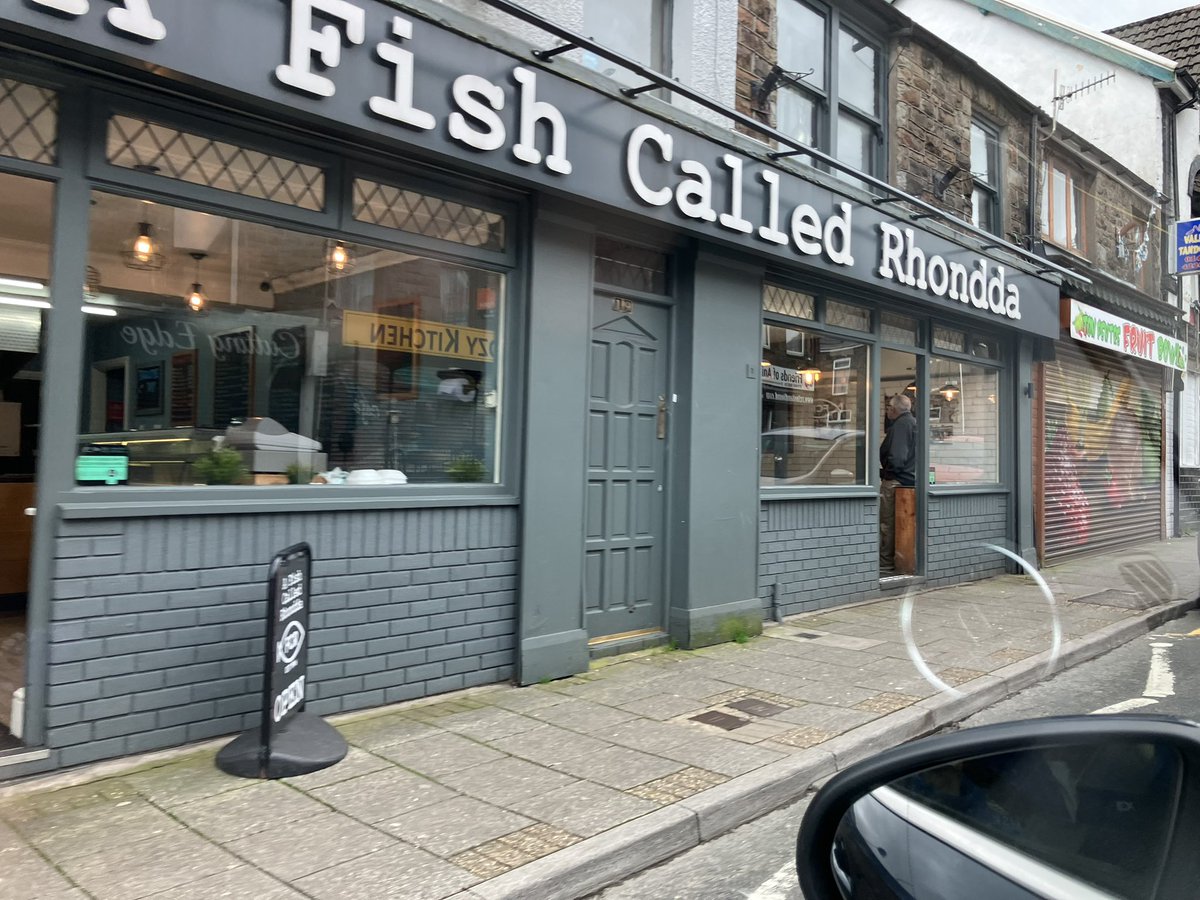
(393, 207)
(253, 354)
(963, 412)
(159, 149)
(629, 266)
(985, 175)
(814, 406)
(898, 329)
(787, 302)
(1064, 209)
(28, 121)
(844, 315)
(637, 29)
(829, 97)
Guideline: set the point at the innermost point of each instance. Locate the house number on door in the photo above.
(621, 305)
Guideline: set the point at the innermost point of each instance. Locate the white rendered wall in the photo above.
(1121, 118)
(703, 40)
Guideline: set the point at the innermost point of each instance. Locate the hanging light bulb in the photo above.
(195, 299)
(339, 258)
(141, 251)
(810, 376)
(949, 390)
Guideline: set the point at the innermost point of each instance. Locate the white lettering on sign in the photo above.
(693, 197)
(326, 44)
(132, 17)
(289, 698)
(399, 107)
(901, 260)
(638, 138)
(151, 339)
(479, 100)
(532, 112)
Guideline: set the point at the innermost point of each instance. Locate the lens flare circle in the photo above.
(907, 604)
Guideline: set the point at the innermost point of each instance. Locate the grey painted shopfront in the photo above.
(632, 370)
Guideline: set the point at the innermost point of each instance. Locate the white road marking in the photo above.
(1123, 706)
(778, 887)
(1161, 680)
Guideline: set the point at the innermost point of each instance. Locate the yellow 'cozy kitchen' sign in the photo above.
(417, 336)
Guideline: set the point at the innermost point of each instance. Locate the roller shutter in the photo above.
(1103, 433)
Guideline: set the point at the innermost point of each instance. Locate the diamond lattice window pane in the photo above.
(780, 300)
(899, 329)
(28, 121)
(843, 315)
(416, 213)
(163, 150)
(949, 339)
(631, 267)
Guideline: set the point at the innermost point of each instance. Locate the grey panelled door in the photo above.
(626, 441)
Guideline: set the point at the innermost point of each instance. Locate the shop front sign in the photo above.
(1186, 257)
(1102, 329)
(416, 335)
(365, 66)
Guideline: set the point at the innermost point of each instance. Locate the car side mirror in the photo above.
(1079, 807)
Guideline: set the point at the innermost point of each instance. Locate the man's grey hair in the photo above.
(901, 403)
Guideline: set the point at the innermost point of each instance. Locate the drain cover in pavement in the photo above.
(807, 635)
(720, 720)
(756, 707)
(1119, 599)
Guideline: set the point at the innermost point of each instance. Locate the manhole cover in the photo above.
(1119, 599)
(756, 707)
(720, 720)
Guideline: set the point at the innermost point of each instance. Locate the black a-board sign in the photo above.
(288, 741)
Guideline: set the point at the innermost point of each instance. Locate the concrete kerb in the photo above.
(749, 796)
(592, 864)
(624, 851)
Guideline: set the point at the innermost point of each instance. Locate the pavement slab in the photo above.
(552, 791)
(400, 871)
(452, 826)
(306, 846)
(129, 871)
(375, 797)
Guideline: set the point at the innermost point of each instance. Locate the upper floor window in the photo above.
(832, 101)
(639, 29)
(1064, 210)
(985, 172)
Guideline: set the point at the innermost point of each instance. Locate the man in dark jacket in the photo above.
(897, 467)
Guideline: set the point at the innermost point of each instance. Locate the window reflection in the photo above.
(304, 359)
(814, 390)
(964, 422)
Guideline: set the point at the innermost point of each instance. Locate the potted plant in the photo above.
(466, 468)
(221, 465)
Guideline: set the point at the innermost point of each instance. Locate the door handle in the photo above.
(662, 417)
(31, 511)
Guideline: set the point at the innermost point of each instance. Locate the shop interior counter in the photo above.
(162, 456)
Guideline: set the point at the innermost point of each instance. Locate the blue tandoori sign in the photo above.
(1186, 255)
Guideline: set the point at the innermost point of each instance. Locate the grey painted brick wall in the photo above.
(156, 632)
(822, 552)
(959, 526)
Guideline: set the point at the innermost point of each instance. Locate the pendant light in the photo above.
(949, 390)
(196, 300)
(339, 259)
(141, 251)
